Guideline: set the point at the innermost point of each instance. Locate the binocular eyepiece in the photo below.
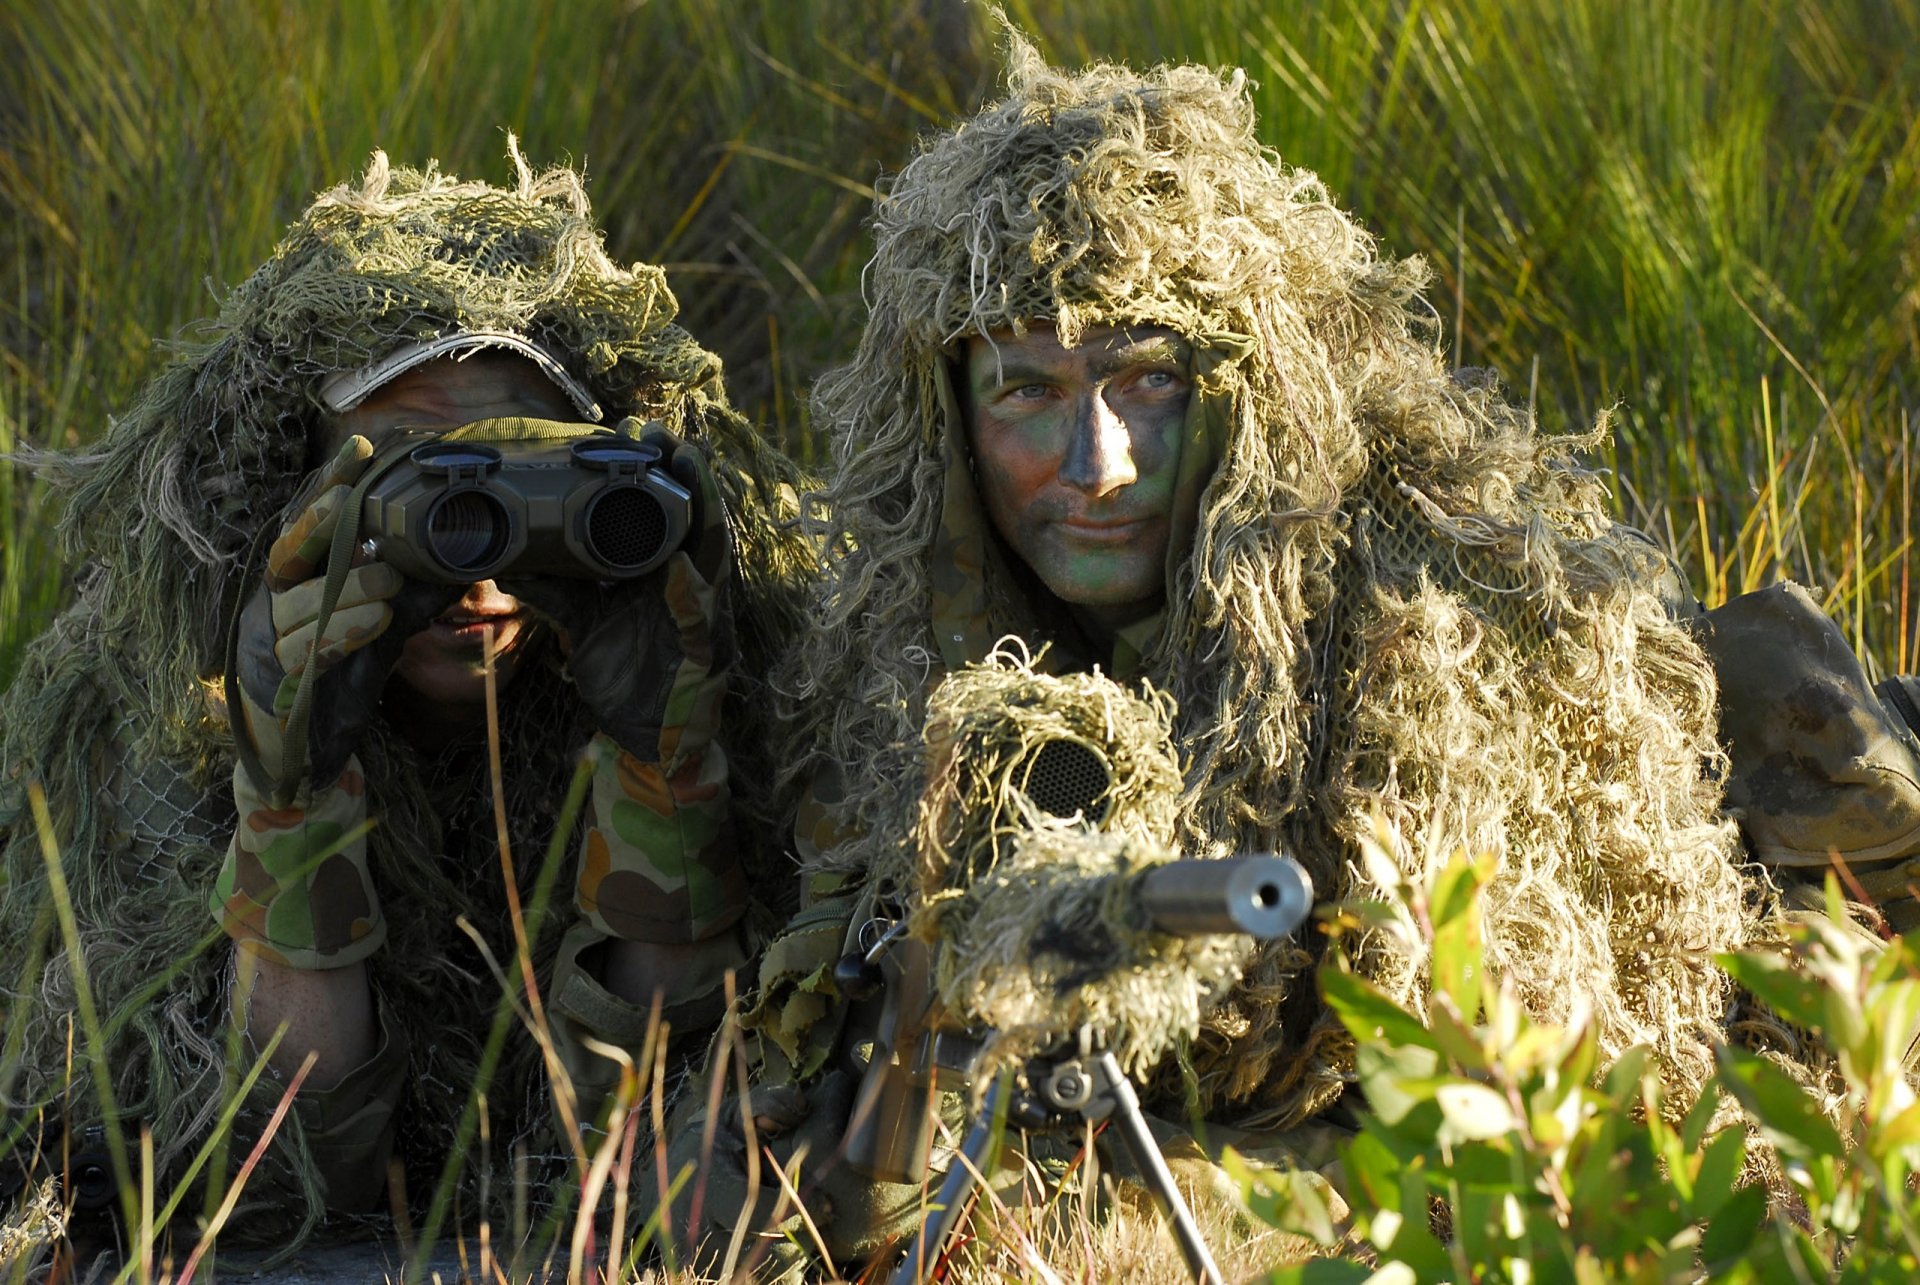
(594, 505)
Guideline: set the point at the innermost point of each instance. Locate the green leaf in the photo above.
(1901, 1131)
(1459, 954)
(1597, 1182)
(1787, 1116)
(1473, 1112)
(1582, 1056)
(1780, 986)
(1700, 1118)
(1492, 1166)
(1373, 1171)
(1718, 1176)
(1901, 958)
(1730, 1233)
(1369, 1014)
(1457, 1040)
(1457, 961)
(1456, 890)
(1626, 1076)
(1412, 1241)
(1395, 1274)
(1396, 1079)
(1893, 1020)
(1293, 1200)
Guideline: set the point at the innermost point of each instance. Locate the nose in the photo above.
(1100, 457)
(487, 596)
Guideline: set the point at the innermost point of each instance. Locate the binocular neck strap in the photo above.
(282, 787)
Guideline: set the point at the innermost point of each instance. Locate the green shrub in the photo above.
(1489, 1151)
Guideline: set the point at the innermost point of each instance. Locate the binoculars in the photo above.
(506, 498)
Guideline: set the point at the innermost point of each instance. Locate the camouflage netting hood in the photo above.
(113, 711)
(1398, 595)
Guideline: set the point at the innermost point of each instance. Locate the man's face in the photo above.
(1076, 451)
(445, 662)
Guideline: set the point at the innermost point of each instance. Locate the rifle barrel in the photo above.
(1263, 896)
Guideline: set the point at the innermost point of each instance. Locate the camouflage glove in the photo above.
(295, 885)
(650, 658)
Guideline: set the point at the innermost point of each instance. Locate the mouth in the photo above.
(472, 626)
(1104, 529)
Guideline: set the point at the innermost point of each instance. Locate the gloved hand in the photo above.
(649, 658)
(295, 884)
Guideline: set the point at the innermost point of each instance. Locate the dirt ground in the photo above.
(360, 1263)
(357, 1262)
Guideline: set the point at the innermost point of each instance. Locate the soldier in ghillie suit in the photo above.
(368, 907)
(1134, 390)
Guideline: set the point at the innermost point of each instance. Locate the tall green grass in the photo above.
(1698, 214)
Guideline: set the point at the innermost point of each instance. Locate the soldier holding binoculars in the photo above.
(268, 703)
(296, 892)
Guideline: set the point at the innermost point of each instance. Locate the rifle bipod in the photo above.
(1074, 1091)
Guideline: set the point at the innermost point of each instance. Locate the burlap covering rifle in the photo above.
(115, 710)
(1019, 923)
(1030, 908)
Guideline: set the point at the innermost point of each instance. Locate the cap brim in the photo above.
(349, 388)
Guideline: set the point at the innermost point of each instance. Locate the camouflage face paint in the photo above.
(1076, 451)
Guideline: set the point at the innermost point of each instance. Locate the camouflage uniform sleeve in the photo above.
(295, 885)
(659, 862)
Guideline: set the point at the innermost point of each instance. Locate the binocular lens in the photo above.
(467, 531)
(625, 527)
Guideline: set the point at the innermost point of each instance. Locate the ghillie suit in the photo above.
(1393, 596)
(116, 713)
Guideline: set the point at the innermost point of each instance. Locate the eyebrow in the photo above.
(1023, 372)
(1156, 348)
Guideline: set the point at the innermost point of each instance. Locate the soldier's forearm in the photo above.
(328, 1012)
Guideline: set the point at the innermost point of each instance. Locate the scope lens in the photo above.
(467, 531)
(625, 527)
(1065, 778)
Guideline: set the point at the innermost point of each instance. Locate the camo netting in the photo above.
(1399, 595)
(115, 713)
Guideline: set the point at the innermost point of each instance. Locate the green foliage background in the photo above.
(1704, 213)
